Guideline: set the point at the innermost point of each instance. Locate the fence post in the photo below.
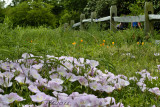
(82, 16)
(65, 26)
(113, 13)
(93, 16)
(148, 25)
(72, 23)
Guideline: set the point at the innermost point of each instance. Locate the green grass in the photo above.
(14, 42)
(58, 42)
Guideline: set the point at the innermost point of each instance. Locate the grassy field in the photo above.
(121, 53)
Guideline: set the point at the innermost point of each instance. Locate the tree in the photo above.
(32, 14)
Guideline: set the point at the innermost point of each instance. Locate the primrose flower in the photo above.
(8, 75)
(26, 55)
(92, 63)
(1, 91)
(5, 66)
(33, 88)
(55, 86)
(57, 80)
(83, 81)
(73, 43)
(22, 79)
(95, 86)
(39, 97)
(158, 67)
(108, 89)
(10, 98)
(37, 66)
(142, 43)
(35, 74)
(68, 65)
(155, 90)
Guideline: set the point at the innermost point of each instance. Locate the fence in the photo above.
(148, 18)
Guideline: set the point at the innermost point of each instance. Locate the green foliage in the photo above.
(32, 14)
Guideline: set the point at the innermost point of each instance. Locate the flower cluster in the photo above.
(83, 71)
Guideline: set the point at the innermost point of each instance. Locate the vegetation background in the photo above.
(53, 13)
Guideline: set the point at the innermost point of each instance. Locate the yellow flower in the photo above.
(112, 43)
(104, 41)
(100, 44)
(81, 40)
(73, 43)
(137, 43)
(31, 41)
(142, 43)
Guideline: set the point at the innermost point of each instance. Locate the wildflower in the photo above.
(112, 43)
(137, 43)
(55, 86)
(73, 43)
(81, 40)
(33, 88)
(104, 41)
(107, 46)
(39, 97)
(102, 44)
(10, 98)
(31, 41)
(142, 43)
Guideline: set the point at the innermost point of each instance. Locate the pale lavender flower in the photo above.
(61, 96)
(84, 101)
(69, 65)
(72, 77)
(108, 89)
(120, 105)
(1, 91)
(1, 81)
(74, 94)
(83, 81)
(37, 66)
(95, 86)
(7, 83)
(22, 79)
(10, 98)
(92, 63)
(122, 82)
(26, 55)
(158, 67)
(33, 89)
(39, 97)
(57, 80)
(8, 75)
(118, 86)
(28, 105)
(53, 85)
(35, 74)
(54, 76)
(133, 78)
(155, 90)
(5, 66)
(81, 60)
(109, 100)
(156, 54)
